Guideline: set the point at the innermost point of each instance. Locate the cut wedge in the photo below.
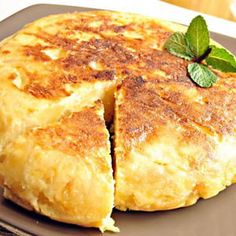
(63, 170)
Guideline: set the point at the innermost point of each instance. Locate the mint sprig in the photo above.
(178, 46)
(194, 46)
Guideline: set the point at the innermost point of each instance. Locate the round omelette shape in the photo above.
(64, 76)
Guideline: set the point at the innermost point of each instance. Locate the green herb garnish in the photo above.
(201, 75)
(221, 59)
(194, 46)
(177, 45)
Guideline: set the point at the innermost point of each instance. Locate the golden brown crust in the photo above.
(146, 105)
(120, 44)
(80, 132)
(108, 44)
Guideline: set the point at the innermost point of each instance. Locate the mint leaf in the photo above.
(176, 44)
(201, 75)
(221, 59)
(197, 36)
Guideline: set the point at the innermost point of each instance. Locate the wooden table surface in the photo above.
(220, 8)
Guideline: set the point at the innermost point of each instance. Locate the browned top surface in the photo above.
(146, 106)
(104, 46)
(73, 133)
(119, 43)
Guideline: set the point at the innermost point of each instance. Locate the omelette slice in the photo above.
(63, 170)
(174, 142)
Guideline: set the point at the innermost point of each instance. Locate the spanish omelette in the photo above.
(174, 142)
